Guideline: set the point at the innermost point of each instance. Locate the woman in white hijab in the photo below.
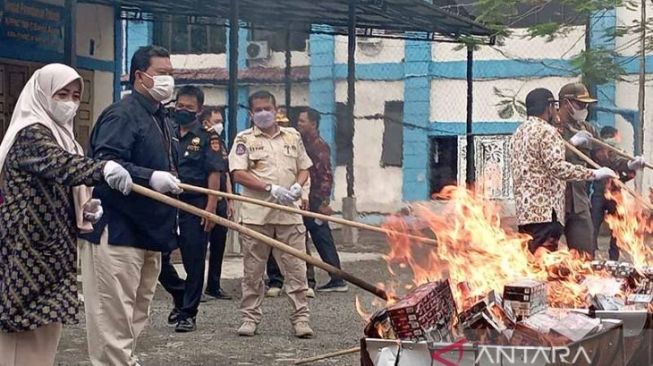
(44, 178)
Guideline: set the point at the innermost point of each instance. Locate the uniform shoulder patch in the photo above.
(241, 149)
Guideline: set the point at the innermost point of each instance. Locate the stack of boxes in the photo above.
(428, 306)
(526, 297)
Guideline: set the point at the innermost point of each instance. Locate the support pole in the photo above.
(641, 97)
(471, 173)
(233, 71)
(349, 212)
(288, 74)
(70, 34)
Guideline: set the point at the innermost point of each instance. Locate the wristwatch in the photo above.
(268, 188)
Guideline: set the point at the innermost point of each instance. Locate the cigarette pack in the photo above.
(423, 308)
(609, 303)
(525, 297)
(639, 299)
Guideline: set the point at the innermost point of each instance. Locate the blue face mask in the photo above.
(184, 117)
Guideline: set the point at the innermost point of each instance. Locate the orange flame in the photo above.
(630, 226)
(474, 248)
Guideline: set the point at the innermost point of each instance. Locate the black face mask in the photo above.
(184, 117)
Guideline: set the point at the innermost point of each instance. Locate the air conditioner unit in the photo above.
(258, 50)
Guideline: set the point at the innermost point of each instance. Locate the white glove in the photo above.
(164, 182)
(637, 164)
(603, 173)
(581, 138)
(93, 211)
(296, 191)
(117, 177)
(284, 196)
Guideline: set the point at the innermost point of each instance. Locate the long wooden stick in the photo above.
(621, 184)
(264, 239)
(191, 188)
(325, 356)
(612, 148)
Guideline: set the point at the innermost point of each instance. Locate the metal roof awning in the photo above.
(399, 18)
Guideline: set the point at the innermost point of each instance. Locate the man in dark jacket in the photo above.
(122, 258)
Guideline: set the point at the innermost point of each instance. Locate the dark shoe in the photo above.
(186, 325)
(215, 295)
(334, 286)
(173, 318)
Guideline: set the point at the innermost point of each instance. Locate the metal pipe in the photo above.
(471, 174)
(232, 108)
(70, 34)
(288, 74)
(351, 91)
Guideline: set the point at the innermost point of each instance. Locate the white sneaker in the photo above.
(310, 293)
(247, 329)
(273, 292)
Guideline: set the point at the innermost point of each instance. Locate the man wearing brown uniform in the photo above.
(271, 163)
(574, 102)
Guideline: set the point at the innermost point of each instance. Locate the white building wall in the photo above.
(449, 97)
(518, 46)
(628, 44)
(367, 51)
(95, 24)
(298, 93)
(377, 188)
(626, 97)
(199, 61)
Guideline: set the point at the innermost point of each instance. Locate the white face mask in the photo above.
(263, 119)
(218, 128)
(579, 115)
(163, 88)
(63, 112)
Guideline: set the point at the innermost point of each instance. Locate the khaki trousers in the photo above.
(118, 286)
(33, 348)
(256, 255)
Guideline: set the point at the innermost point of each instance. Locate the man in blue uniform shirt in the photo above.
(199, 165)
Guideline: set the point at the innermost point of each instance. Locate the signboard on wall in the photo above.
(32, 24)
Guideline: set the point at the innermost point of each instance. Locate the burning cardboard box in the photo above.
(428, 306)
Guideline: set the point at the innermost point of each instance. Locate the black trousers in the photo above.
(193, 241)
(217, 244)
(579, 232)
(601, 206)
(545, 234)
(323, 240)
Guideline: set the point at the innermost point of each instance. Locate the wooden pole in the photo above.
(325, 356)
(191, 188)
(264, 239)
(621, 184)
(612, 148)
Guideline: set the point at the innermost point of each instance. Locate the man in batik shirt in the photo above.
(539, 170)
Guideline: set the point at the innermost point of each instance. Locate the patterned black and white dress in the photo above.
(38, 232)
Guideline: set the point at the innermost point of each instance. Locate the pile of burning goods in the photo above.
(481, 286)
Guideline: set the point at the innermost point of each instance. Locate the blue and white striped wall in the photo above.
(430, 79)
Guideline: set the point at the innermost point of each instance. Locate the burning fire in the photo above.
(630, 225)
(474, 249)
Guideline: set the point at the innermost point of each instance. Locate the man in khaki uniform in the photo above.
(270, 162)
(574, 108)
